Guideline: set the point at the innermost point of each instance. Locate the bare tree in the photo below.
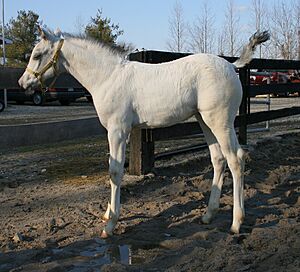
(79, 25)
(177, 29)
(259, 18)
(202, 32)
(259, 12)
(284, 27)
(221, 43)
(232, 20)
(296, 5)
(299, 43)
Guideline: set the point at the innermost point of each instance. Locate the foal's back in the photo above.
(167, 93)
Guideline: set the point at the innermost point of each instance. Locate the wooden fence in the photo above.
(142, 142)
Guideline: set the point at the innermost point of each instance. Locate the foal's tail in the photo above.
(248, 51)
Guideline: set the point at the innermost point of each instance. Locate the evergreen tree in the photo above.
(23, 32)
(102, 29)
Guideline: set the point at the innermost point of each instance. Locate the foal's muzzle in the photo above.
(28, 82)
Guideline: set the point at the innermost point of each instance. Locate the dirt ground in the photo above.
(52, 198)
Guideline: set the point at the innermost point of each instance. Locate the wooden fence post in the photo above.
(244, 78)
(141, 159)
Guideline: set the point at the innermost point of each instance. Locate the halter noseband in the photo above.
(52, 63)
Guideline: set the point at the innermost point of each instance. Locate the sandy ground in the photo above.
(52, 198)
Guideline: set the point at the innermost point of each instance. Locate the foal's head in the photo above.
(43, 63)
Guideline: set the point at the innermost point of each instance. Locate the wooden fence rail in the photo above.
(142, 143)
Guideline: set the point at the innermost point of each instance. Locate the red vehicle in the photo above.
(271, 77)
(295, 78)
(260, 78)
(280, 77)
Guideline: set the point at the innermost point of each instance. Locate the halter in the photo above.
(52, 63)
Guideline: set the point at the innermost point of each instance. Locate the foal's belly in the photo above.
(161, 115)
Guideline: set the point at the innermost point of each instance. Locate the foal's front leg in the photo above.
(117, 144)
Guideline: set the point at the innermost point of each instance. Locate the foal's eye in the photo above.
(37, 56)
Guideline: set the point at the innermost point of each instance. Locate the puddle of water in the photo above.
(125, 254)
(95, 253)
(81, 256)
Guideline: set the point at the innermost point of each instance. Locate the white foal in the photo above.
(132, 94)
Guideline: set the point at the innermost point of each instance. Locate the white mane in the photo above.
(97, 46)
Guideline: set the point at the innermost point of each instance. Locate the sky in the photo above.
(145, 23)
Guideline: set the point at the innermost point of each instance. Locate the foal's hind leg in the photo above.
(219, 165)
(225, 134)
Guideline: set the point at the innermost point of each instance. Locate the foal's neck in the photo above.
(91, 64)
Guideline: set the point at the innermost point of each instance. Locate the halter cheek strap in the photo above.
(51, 64)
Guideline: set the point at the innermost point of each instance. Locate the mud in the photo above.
(52, 198)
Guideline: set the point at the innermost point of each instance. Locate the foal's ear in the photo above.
(57, 32)
(44, 33)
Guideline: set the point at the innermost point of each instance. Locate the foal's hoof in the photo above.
(235, 229)
(104, 234)
(105, 219)
(206, 219)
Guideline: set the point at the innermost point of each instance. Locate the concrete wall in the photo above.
(50, 132)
